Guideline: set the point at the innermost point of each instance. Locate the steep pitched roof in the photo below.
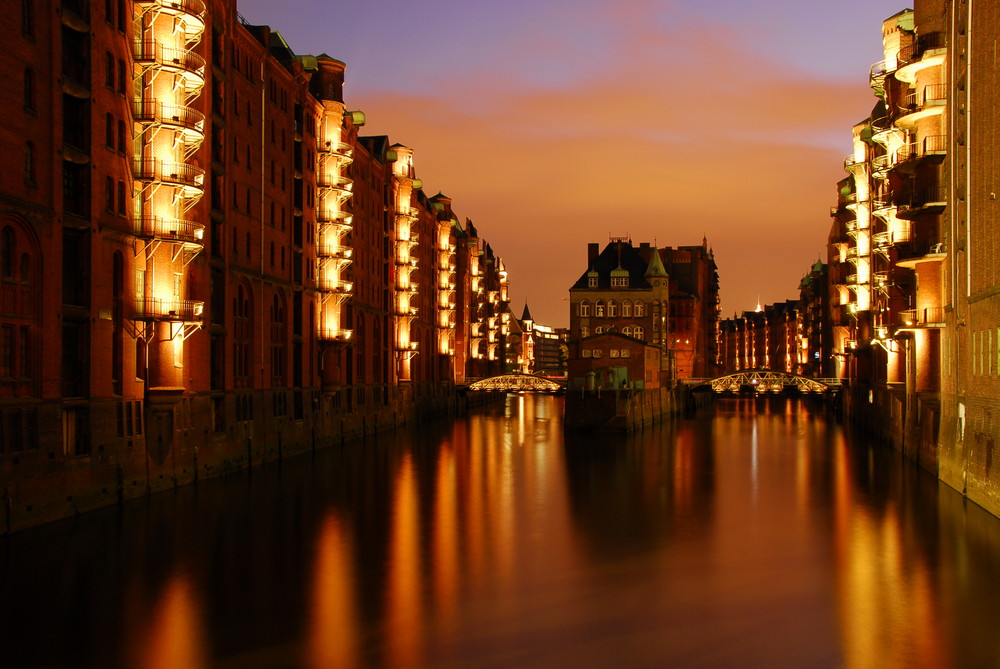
(615, 255)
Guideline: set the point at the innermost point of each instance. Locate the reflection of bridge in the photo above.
(765, 381)
(517, 382)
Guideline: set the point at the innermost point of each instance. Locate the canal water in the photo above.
(758, 535)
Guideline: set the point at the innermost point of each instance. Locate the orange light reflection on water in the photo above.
(172, 635)
(333, 632)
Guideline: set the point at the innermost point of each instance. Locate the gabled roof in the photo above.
(614, 256)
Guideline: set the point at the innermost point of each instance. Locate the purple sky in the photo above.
(556, 123)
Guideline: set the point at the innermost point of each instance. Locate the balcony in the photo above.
(160, 309)
(881, 129)
(334, 334)
(334, 218)
(178, 117)
(928, 317)
(184, 62)
(927, 51)
(189, 13)
(331, 285)
(916, 250)
(176, 174)
(334, 251)
(850, 162)
(924, 200)
(921, 104)
(170, 230)
(341, 187)
(341, 152)
(408, 213)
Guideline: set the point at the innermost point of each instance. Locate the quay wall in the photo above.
(181, 444)
(619, 410)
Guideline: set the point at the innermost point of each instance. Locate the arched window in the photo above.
(585, 308)
(638, 333)
(627, 331)
(584, 331)
(19, 293)
(598, 330)
(599, 309)
(640, 309)
(278, 339)
(627, 309)
(612, 309)
(29, 89)
(242, 336)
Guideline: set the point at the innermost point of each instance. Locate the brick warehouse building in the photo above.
(205, 264)
(914, 298)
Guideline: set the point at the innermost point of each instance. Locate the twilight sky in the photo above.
(553, 123)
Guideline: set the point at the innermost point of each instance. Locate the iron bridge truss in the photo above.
(767, 381)
(516, 382)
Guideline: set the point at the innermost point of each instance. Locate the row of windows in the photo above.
(629, 331)
(984, 361)
(612, 353)
(628, 308)
(112, 68)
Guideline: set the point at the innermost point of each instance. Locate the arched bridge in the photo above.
(516, 383)
(766, 381)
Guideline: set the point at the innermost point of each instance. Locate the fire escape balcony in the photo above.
(340, 186)
(186, 120)
(882, 205)
(190, 178)
(929, 50)
(189, 13)
(183, 62)
(334, 334)
(882, 129)
(924, 200)
(334, 252)
(341, 152)
(850, 162)
(329, 284)
(928, 102)
(170, 230)
(408, 213)
(881, 165)
(160, 309)
(338, 221)
(928, 317)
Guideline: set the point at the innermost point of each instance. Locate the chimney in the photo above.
(593, 250)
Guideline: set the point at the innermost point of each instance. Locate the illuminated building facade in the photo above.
(534, 348)
(620, 292)
(768, 338)
(913, 267)
(204, 265)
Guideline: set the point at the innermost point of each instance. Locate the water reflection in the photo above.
(759, 535)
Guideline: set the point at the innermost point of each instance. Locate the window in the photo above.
(627, 331)
(627, 309)
(619, 282)
(598, 330)
(109, 131)
(598, 353)
(587, 353)
(109, 194)
(626, 353)
(121, 137)
(592, 282)
(29, 163)
(28, 18)
(612, 309)
(8, 249)
(585, 308)
(584, 331)
(599, 309)
(109, 70)
(122, 200)
(639, 309)
(614, 353)
(29, 89)
(638, 333)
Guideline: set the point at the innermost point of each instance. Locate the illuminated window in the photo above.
(598, 353)
(626, 353)
(587, 353)
(598, 330)
(614, 353)
(627, 309)
(612, 309)
(627, 330)
(639, 309)
(585, 308)
(584, 331)
(638, 333)
(599, 309)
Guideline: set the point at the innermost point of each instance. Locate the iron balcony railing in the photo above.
(170, 229)
(194, 8)
(932, 94)
(151, 51)
(164, 309)
(926, 317)
(148, 110)
(334, 334)
(150, 169)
